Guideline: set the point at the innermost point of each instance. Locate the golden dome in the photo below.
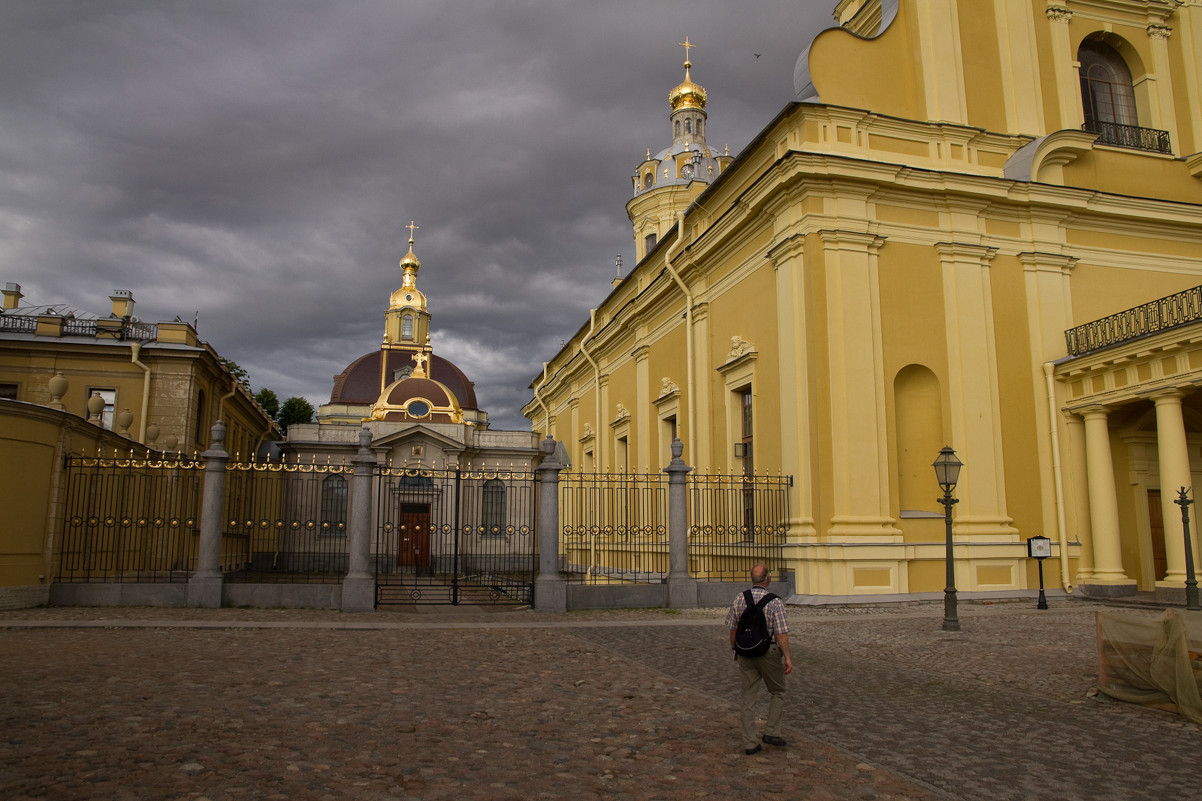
(409, 260)
(687, 94)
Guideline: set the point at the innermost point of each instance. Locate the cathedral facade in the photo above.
(977, 226)
(421, 408)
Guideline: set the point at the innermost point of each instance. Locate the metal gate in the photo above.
(454, 536)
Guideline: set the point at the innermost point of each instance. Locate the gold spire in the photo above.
(687, 94)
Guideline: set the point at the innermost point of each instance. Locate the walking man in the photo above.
(771, 667)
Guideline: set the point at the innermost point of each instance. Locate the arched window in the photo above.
(407, 326)
(333, 504)
(678, 127)
(649, 242)
(494, 507)
(688, 126)
(1107, 94)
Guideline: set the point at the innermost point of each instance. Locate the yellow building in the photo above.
(74, 383)
(913, 254)
(158, 384)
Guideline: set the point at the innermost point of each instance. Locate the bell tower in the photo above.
(668, 181)
(407, 322)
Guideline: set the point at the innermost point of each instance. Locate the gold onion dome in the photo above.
(687, 94)
(410, 258)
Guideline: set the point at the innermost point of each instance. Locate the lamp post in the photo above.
(1191, 581)
(947, 471)
(1040, 547)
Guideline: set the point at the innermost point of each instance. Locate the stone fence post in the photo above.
(359, 586)
(550, 590)
(204, 586)
(682, 587)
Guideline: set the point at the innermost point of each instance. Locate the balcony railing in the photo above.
(1150, 318)
(72, 327)
(1132, 136)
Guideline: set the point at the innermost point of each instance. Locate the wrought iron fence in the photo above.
(285, 522)
(1158, 315)
(454, 536)
(130, 519)
(1132, 136)
(735, 523)
(613, 527)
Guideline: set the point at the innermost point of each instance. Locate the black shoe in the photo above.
(755, 750)
(772, 739)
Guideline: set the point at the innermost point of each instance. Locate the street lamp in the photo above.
(1191, 581)
(947, 471)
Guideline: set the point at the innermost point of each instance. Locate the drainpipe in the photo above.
(688, 313)
(135, 349)
(224, 398)
(1057, 479)
(592, 325)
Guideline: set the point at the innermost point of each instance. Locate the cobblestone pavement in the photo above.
(249, 704)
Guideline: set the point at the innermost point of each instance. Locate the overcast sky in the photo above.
(256, 163)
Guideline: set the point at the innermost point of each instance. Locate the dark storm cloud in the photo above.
(255, 163)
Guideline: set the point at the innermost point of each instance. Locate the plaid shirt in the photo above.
(774, 612)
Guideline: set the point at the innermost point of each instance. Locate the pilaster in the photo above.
(973, 404)
(1068, 89)
(788, 261)
(859, 444)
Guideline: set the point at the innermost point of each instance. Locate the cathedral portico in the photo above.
(1138, 403)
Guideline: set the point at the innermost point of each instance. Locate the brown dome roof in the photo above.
(360, 381)
(423, 388)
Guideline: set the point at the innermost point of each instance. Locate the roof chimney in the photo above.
(12, 296)
(123, 303)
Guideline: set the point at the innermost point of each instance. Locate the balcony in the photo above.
(1150, 318)
(1129, 136)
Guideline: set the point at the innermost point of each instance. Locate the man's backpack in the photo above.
(752, 637)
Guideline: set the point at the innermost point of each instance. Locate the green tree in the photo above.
(294, 410)
(236, 371)
(269, 401)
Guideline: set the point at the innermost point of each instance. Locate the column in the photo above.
(1107, 577)
(204, 586)
(682, 587)
(1173, 456)
(1077, 486)
(359, 586)
(550, 591)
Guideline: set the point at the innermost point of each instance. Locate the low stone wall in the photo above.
(24, 597)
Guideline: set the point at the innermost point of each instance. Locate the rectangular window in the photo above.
(110, 404)
(8, 391)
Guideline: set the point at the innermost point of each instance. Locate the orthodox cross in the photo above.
(686, 45)
(412, 228)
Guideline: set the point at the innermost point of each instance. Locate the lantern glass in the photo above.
(947, 469)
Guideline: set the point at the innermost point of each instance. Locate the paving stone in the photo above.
(239, 704)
